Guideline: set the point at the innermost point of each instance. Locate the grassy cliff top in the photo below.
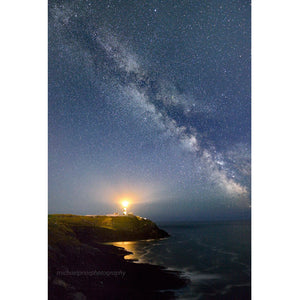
(72, 228)
(123, 223)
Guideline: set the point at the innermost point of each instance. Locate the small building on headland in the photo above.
(113, 215)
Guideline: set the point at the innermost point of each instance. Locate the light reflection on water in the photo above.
(128, 246)
(140, 250)
(213, 256)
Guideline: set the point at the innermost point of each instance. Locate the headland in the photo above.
(82, 267)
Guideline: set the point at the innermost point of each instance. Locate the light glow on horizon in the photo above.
(125, 203)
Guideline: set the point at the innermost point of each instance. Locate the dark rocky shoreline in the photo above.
(81, 267)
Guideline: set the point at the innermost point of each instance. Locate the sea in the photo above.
(215, 256)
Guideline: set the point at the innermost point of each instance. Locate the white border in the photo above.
(275, 149)
(23, 117)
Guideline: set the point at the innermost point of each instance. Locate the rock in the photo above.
(78, 296)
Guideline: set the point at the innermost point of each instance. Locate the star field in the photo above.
(150, 98)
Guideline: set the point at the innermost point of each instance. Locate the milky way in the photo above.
(150, 98)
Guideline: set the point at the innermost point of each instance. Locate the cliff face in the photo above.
(81, 267)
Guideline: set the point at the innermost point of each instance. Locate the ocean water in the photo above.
(216, 257)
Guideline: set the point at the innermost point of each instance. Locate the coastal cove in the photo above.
(88, 259)
(82, 267)
(215, 256)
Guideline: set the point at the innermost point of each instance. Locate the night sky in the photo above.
(150, 100)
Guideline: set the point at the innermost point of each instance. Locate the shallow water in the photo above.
(215, 256)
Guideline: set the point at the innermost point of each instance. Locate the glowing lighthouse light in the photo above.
(125, 204)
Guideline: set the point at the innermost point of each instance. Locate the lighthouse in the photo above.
(125, 204)
(124, 211)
